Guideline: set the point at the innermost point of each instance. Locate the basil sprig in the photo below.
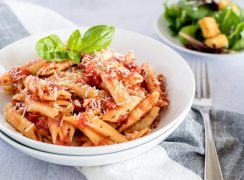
(96, 38)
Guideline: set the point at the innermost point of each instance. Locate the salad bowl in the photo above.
(175, 41)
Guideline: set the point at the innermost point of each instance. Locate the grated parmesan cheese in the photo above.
(25, 109)
(77, 103)
(94, 118)
(61, 122)
(120, 86)
(55, 93)
(55, 74)
(89, 124)
(124, 102)
(56, 106)
(69, 106)
(29, 127)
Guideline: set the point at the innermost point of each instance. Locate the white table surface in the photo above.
(227, 75)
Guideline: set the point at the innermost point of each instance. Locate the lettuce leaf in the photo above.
(239, 44)
(236, 35)
(228, 20)
(190, 30)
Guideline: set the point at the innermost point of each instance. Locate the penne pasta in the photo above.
(116, 89)
(54, 67)
(152, 82)
(137, 134)
(146, 121)
(141, 109)
(44, 135)
(54, 128)
(129, 78)
(162, 103)
(106, 130)
(42, 108)
(115, 114)
(61, 134)
(6, 79)
(106, 54)
(74, 120)
(60, 102)
(19, 122)
(36, 66)
(96, 138)
(104, 99)
(87, 143)
(19, 97)
(133, 78)
(67, 132)
(44, 89)
(82, 91)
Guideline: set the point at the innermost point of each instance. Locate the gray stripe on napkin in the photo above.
(186, 144)
(10, 27)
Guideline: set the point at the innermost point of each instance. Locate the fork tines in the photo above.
(200, 71)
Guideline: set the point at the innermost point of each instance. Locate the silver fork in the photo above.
(203, 103)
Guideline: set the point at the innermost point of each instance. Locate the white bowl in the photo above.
(163, 32)
(179, 79)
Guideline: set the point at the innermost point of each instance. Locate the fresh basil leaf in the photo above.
(97, 38)
(51, 48)
(190, 30)
(75, 56)
(74, 42)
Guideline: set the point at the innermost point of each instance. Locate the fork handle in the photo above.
(212, 167)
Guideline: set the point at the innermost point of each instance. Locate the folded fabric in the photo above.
(18, 20)
(10, 27)
(180, 156)
(186, 144)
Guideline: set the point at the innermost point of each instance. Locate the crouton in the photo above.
(223, 4)
(209, 27)
(235, 8)
(220, 41)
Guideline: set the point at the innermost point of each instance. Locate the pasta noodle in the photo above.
(19, 122)
(146, 121)
(142, 108)
(105, 99)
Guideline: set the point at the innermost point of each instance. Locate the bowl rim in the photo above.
(95, 150)
(158, 28)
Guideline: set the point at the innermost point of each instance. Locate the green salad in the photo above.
(212, 26)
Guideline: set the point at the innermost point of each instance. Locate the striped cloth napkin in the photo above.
(180, 156)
